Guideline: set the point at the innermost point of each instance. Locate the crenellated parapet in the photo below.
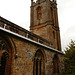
(37, 2)
(40, 1)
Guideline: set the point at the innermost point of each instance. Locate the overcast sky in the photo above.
(18, 12)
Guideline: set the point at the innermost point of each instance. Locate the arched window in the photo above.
(39, 14)
(3, 63)
(56, 64)
(39, 63)
(5, 57)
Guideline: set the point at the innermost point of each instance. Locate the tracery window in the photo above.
(39, 63)
(3, 63)
(3, 57)
(56, 64)
(2, 45)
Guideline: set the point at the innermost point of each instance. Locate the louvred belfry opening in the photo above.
(39, 14)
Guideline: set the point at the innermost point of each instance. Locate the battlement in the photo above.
(21, 31)
(34, 3)
(37, 2)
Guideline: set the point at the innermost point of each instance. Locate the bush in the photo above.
(69, 61)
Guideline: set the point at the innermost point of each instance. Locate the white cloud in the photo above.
(18, 11)
(66, 10)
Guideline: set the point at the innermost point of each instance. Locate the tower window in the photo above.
(39, 14)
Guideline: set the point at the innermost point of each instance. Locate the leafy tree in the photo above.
(69, 61)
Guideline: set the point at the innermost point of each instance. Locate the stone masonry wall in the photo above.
(23, 65)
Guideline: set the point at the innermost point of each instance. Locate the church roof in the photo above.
(20, 32)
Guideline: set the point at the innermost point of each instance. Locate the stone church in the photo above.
(34, 52)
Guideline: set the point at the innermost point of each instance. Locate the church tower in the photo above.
(44, 21)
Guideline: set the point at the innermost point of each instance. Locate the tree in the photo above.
(69, 61)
